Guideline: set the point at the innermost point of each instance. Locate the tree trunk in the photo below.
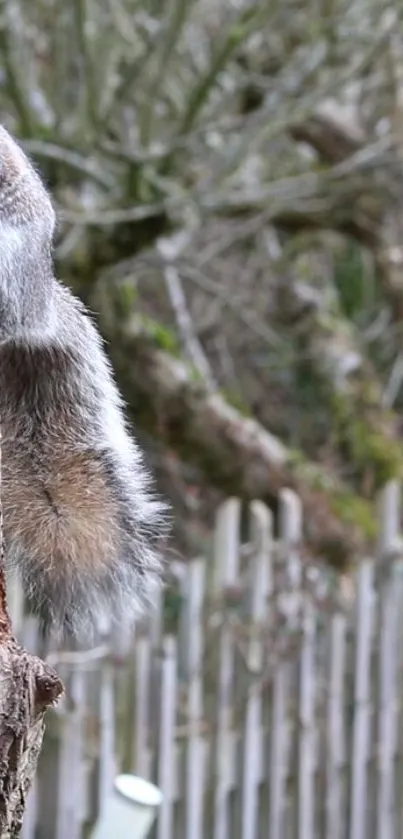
(27, 687)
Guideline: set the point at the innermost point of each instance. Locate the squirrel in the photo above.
(81, 522)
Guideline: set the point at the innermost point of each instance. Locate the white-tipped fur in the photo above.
(81, 522)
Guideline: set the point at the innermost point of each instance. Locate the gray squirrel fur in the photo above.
(81, 522)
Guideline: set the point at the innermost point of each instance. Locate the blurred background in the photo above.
(229, 184)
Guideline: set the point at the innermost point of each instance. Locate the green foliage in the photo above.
(358, 293)
(349, 507)
(164, 337)
(173, 602)
(356, 511)
(125, 298)
(372, 451)
(237, 401)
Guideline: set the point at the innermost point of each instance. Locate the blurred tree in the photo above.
(229, 182)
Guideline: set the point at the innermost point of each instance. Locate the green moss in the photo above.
(296, 458)
(162, 336)
(354, 510)
(371, 449)
(126, 296)
(308, 472)
(236, 400)
(355, 293)
(345, 504)
(195, 375)
(173, 603)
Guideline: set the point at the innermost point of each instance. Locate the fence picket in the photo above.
(156, 622)
(340, 678)
(289, 534)
(287, 681)
(71, 776)
(387, 723)
(306, 732)
(261, 531)
(291, 510)
(194, 768)
(107, 768)
(28, 829)
(166, 744)
(335, 816)
(226, 575)
(360, 738)
(142, 720)
(278, 743)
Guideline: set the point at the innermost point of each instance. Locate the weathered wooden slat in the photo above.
(166, 745)
(107, 738)
(255, 745)
(290, 534)
(360, 737)
(259, 573)
(300, 610)
(336, 734)
(387, 731)
(31, 813)
(142, 706)
(194, 767)
(226, 567)
(306, 744)
(71, 777)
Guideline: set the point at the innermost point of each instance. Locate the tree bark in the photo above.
(27, 687)
(366, 431)
(375, 223)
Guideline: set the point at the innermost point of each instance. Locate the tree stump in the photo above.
(27, 687)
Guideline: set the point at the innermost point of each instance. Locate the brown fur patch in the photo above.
(64, 516)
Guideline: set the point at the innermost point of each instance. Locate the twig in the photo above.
(89, 87)
(17, 93)
(246, 317)
(175, 20)
(237, 33)
(191, 343)
(106, 218)
(72, 159)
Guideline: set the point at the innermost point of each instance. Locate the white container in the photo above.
(130, 810)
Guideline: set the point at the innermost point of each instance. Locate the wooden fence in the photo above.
(263, 697)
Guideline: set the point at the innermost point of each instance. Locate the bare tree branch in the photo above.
(235, 452)
(192, 345)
